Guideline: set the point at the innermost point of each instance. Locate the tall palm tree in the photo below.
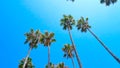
(68, 52)
(28, 64)
(84, 26)
(108, 2)
(67, 22)
(47, 39)
(33, 40)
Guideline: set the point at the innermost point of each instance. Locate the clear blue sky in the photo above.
(19, 16)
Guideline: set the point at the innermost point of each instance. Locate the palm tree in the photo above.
(33, 40)
(51, 65)
(83, 26)
(72, 0)
(61, 65)
(68, 52)
(108, 2)
(28, 64)
(47, 39)
(67, 22)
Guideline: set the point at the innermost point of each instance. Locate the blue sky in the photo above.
(19, 16)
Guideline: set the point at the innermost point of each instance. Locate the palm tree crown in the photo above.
(51, 65)
(61, 65)
(71, 0)
(68, 51)
(33, 38)
(47, 39)
(108, 2)
(83, 24)
(28, 64)
(67, 22)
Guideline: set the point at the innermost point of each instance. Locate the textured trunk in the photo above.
(73, 62)
(78, 59)
(27, 57)
(49, 56)
(117, 59)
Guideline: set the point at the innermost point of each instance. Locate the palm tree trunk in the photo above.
(73, 62)
(27, 57)
(48, 56)
(78, 59)
(117, 59)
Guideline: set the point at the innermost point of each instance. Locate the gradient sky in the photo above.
(19, 16)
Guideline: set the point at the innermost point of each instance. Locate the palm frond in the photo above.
(53, 40)
(32, 31)
(51, 35)
(46, 34)
(102, 1)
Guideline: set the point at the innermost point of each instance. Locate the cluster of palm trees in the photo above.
(34, 38)
(67, 22)
(82, 24)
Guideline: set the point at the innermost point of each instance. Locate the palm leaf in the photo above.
(53, 40)
(46, 34)
(51, 35)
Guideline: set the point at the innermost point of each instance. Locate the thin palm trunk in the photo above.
(73, 62)
(117, 59)
(27, 57)
(48, 56)
(78, 59)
